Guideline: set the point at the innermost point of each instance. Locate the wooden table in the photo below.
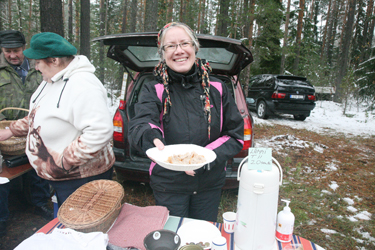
(174, 223)
(14, 172)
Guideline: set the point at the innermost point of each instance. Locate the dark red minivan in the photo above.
(137, 52)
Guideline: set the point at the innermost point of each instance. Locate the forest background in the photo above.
(328, 41)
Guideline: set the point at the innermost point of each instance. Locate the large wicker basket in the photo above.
(93, 207)
(14, 145)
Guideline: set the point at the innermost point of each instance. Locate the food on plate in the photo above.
(187, 158)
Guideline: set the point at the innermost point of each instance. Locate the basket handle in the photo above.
(94, 199)
(14, 108)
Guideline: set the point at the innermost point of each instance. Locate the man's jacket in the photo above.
(14, 93)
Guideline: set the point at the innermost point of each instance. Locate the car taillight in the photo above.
(276, 95)
(118, 134)
(247, 134)
(311, 97)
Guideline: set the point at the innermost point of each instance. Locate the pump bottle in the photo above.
(285, 224)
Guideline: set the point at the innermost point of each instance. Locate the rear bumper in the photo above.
(291, 108)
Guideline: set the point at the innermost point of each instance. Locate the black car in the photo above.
(138, 52)
(271, 94)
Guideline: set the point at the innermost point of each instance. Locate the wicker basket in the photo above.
(92, 207)
(14, 145)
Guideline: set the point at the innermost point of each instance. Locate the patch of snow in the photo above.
(328, 117)
(328, 231)
(352, 209)
(349, 201)
(364, 215)
(333, 185)
(332, 166)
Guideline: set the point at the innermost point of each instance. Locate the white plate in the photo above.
(161, 156)
(198, 231)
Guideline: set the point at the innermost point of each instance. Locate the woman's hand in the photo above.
(159, 144)
(5, 134)
(190, 172)
(66, 166)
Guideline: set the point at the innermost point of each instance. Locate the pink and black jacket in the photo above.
(186, 123)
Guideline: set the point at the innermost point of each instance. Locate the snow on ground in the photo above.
(328, 117)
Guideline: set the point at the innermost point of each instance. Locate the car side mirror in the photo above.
(250, 100)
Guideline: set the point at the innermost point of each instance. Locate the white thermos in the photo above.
(258, 196)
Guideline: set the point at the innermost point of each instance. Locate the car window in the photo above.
(255, 82)
(294, 82)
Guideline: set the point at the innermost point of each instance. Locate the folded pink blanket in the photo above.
(134, 223)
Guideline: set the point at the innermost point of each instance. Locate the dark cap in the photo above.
(48, 44)
(12, 39)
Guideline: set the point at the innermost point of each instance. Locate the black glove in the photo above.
(148, 138)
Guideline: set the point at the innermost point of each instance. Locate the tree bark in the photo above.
(299, 35)
(151, 15)
(10, 13)
(344, 55)
(30, 18)
(85, 28)
(250, 37)
(102, 10)
(169, 11)
(330, 38)
(70, 21)
(366, 41)
(285, 42)
(51, 19)
(222, 19)
(77, 28)
(322, 52)
(124, 16)
(133, 16)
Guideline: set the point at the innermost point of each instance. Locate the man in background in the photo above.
(18, 81)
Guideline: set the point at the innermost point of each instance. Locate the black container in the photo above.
(162, 240)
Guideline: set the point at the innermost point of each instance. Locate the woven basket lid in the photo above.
(91, 204)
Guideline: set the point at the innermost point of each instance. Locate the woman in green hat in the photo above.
(69, 127)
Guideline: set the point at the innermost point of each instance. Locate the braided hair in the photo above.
(161, 70)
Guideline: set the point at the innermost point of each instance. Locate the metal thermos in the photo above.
(258, 196)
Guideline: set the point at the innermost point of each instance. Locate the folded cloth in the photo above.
(66, 238)
(134, 223)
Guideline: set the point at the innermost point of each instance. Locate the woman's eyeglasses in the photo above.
(173, 47)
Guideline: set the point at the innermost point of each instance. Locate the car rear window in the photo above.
(294, 82)
(218, 56)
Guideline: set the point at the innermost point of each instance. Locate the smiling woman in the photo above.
(184, 104)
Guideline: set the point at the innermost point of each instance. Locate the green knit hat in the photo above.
(48, 44)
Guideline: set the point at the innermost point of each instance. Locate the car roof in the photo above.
(287, 77)
(138, 51)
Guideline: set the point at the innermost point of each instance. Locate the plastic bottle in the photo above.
(285, 224)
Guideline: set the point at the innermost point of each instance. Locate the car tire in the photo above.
(299, 117)
(262, 110)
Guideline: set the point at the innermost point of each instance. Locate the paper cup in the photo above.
(229, 219)
(219, 243)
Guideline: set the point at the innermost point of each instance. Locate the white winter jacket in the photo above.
(69, 118)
